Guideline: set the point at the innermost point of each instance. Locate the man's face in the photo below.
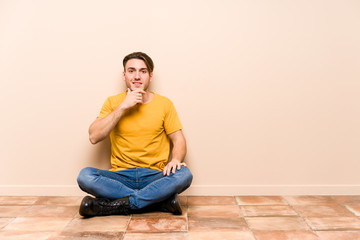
(136, 75)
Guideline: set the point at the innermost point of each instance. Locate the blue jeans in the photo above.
(143, 186)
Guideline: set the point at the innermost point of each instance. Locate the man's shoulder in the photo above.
(117, 99)
(118, 96)
(162, 98)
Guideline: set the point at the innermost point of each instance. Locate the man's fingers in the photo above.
(172, 167)
(165, 170)
(168, 171)
(139, 91)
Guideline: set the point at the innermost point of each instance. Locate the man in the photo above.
(141, 125)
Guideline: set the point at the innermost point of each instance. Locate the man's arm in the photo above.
(102, 127)
(178, 152)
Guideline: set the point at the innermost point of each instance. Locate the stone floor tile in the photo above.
(14, 200)
(197, 224)
(277, 224)
(156, 236)
(354, 208)
(217, 211)
(88, 236)
(267, 211)
(210, 217)
(59, 200)
(98, 224)
(286, 236)
(334, 223)
(260, 200)
(339, 235)
(162, 214)
(347, 199)
(211, 200)
(330, 210)
(24, 235)
(37, 224)
(309, 200)
(210, 235)
(50, 211)
(157, 224)
(12, 211)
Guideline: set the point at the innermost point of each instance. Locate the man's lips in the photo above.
(137, 83)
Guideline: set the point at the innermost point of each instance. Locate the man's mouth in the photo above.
(137, 84)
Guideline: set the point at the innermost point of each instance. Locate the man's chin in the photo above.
(133, 88)
(140, 88)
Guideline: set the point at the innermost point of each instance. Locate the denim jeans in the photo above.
(143, 186)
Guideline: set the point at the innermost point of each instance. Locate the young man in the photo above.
(141, 125)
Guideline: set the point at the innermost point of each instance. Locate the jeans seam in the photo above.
(117, 178)
(137, 178)
(150, 184)
(152, 179)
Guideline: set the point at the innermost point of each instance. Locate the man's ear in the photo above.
(151, 76)
(123, 75)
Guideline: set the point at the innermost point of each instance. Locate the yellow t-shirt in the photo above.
(139, 139)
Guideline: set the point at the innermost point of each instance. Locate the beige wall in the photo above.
(267, 91)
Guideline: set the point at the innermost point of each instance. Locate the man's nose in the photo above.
(137, 75)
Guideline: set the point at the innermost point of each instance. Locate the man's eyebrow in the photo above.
(141, 69)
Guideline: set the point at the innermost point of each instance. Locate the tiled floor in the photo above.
(220, 218)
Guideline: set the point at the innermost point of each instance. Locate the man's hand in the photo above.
(133, 98)
(172, 166)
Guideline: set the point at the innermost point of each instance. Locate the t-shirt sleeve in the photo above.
(106, 108)
(172, 122)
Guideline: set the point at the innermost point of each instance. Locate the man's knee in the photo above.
(85, 176)
(185, 175)
(189, 176)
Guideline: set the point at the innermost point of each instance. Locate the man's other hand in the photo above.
(172, 166)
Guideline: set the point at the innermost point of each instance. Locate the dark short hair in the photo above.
(142, 56)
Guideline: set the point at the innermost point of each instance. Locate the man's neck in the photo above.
(147, 97)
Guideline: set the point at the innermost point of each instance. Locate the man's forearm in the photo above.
(102, 127)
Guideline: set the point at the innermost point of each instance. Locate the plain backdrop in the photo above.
(268, 92)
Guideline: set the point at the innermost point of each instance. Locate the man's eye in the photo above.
(143, 71)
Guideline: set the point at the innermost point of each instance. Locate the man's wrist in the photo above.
(119, 111)
(175, 160)
(122, 107)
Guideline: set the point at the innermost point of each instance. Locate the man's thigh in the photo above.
(126, 177)
(145, 176)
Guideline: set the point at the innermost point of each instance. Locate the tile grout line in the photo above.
(351, 210)
(243, 215)
(303, 218)
(12, 220)
(127, 225)
(343, 204)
